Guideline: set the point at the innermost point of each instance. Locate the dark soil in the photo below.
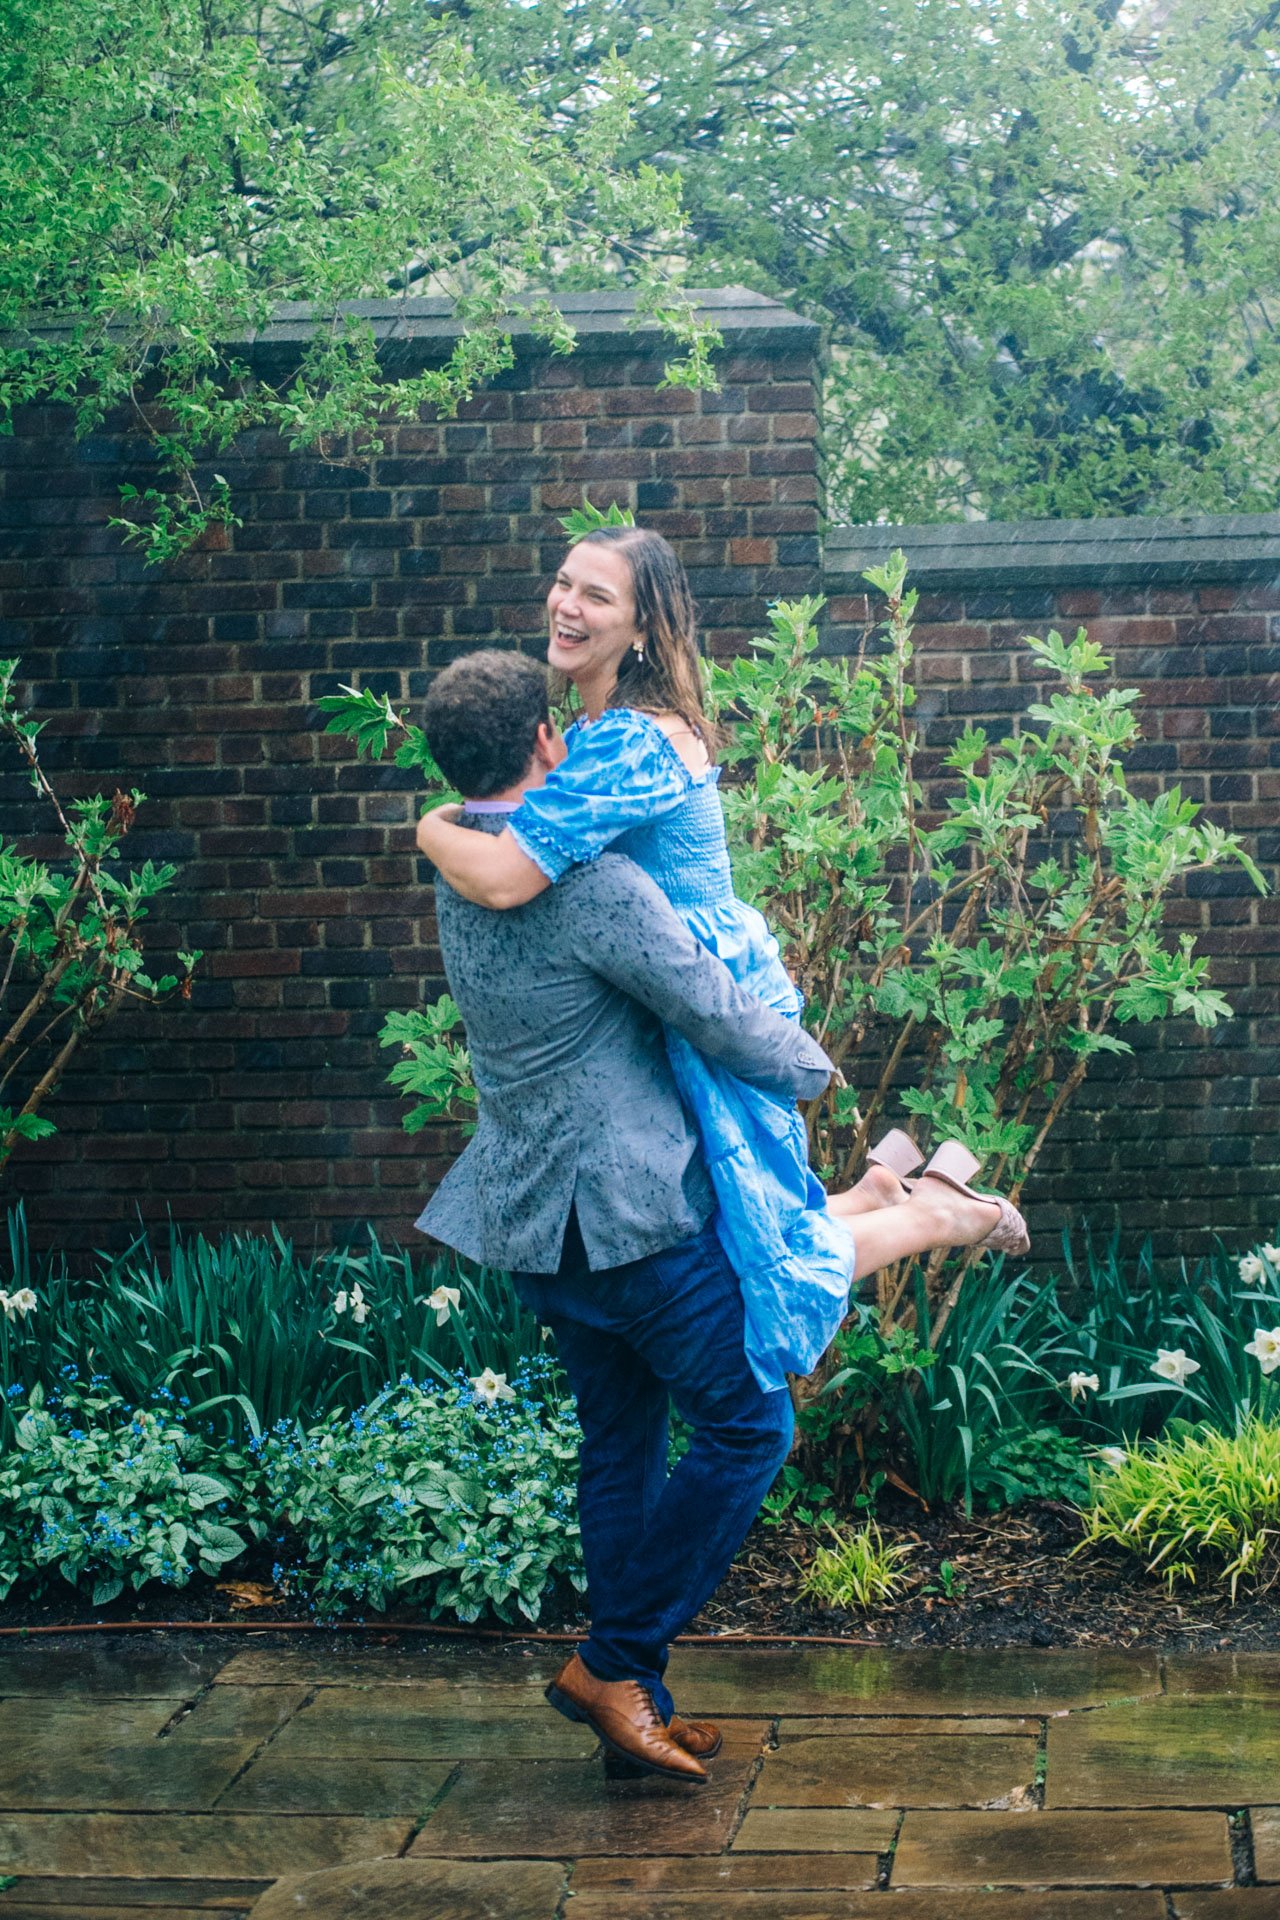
(1014, 1581)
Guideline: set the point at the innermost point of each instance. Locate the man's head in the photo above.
(489, 727)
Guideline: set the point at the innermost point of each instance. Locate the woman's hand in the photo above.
(452, 814)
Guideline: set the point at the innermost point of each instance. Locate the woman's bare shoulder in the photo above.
(688, 743)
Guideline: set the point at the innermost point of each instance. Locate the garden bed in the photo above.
(1014, 1581)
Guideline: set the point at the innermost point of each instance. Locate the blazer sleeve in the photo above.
(626, 930)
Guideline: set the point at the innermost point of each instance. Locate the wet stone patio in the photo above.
(171, 1776)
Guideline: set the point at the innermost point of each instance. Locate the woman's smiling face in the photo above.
(591, 613)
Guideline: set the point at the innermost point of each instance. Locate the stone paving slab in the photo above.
(420, 1890)
(894, 1726)
(278, 1783)
(124, 1913)
(1234, 1903)
(194, 1846)
(406, 1723)
(916, 1770)
(1056, 1905)
(729, 1873)
(875, 1680)
(1265, 1822)
(106, 1668)
(1063, 1850)
(202, 1896)
(1253, 1676)
(552, 1809)
(1166, 1753)
(815, 1830)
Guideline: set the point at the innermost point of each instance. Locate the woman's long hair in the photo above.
(669, 677)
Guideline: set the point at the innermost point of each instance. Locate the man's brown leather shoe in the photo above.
(622, 1714)
(697, 1737)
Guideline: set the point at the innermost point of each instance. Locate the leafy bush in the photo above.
(859, 1569)
(105, 1496)
(1196, 1498)
(985, 953)
(70, 939)
(457, 1497)
(244, 1331)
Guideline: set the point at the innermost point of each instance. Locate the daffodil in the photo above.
(1265, 1348)
(354, 1302)
(1173, 1364)
(1078, 1383)
(491, 1387)
(1272, 1254)
(1252, 1270)
(445, 1300)
(22, 1302)
(1113, 1457)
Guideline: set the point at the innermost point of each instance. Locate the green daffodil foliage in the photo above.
(967, 946)
(173, 171)
(70, 937)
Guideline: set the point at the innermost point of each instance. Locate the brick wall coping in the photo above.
(1057, 553)
(420, 330)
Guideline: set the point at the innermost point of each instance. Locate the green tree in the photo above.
(1044, 236)
(171, 171)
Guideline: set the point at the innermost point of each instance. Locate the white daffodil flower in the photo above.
(1272, 1254)
(24, 1300)
(445, 1300)
(1113, 1457)
(359, 1306)
(341, 1302)
(1078, 1383)
(1265, 1348)
(1173, 1364)
(7, 1307)
(491, 1387)
(1252, 1270)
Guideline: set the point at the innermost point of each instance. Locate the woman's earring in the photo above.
(638, 649)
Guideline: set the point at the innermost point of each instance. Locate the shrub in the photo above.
(983, 953)
(1195, 1498)
(458, 1497)
(105, 1496)
(70, 941)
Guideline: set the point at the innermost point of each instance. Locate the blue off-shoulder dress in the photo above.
(624, 786)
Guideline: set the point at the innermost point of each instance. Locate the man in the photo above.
(585, 1177)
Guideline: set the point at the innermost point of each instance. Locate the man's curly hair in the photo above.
(481, 720)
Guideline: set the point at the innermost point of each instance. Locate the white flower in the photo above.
(490, 1387)
(1252, 1269)
(444, 1300)
(354, 1300)
(1265, 1347)
(22, 1302)
(1113, 1457)
(1272, 1254)
(1174, 1365)
(1077, 1383)
(7, 1307)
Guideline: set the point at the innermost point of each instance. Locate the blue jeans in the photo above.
(633, 1339)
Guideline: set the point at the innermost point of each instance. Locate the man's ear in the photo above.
(548, 745)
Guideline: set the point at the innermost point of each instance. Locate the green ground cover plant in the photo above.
(1197, 1500)
(856, 1567)
(459, 1496)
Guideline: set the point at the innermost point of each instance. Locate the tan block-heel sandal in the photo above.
(899, 1153)
(955, 1165)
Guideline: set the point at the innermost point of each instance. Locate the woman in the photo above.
(639, 778)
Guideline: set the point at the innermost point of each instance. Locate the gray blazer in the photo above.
(564, 1001)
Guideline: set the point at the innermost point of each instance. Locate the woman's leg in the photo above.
(936, 1215)
(879, 1187)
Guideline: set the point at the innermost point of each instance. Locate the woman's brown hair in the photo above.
(668, 677)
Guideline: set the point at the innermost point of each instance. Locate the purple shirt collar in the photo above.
(490, 806)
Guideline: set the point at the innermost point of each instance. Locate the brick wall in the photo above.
(1181, 1141)
(265, 1098)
